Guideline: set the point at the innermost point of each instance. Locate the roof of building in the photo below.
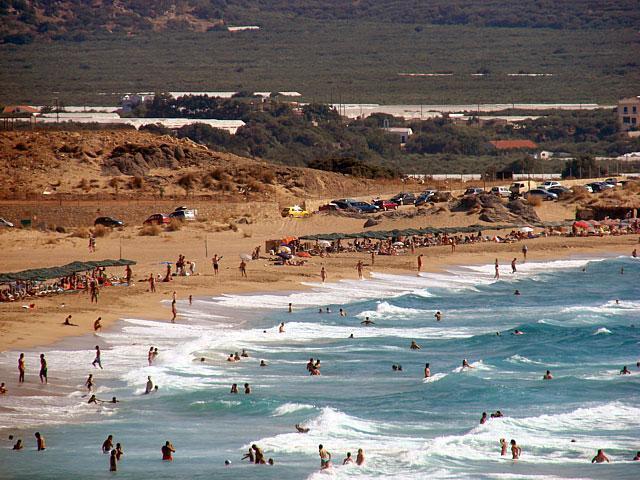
(400, 130)
(513, 144)
(20, 109)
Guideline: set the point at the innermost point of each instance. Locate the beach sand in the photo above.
(22, 249)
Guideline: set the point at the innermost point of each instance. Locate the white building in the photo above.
(403, 133)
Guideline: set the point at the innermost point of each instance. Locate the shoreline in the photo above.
(136, 302)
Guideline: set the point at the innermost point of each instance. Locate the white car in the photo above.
(549, 184)
(500, 191)
(5, 223)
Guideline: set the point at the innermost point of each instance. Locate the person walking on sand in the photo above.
(92, 243)
(373, 258)
(524, 253)
(513, 265)
(21, 368)
(359, 267)
(97, 360)
(516, 451)
(94, 290)
(325, 457)
(43, 369)
(152, 283)
(243, 268)
(497, 268)
(420, 263)
(174, 310)
(96, 325)
(128, 273)
(168, 451)
(323, 274)
(215, 262)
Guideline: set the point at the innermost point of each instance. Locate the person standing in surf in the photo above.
(497, 268)
(325, 457)
(420, 263)
(516, 451)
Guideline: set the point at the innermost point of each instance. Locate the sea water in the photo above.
(408, 427)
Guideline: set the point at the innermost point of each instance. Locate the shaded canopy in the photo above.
(62, 271)
(383, 234)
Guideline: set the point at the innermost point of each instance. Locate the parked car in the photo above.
(183, 213)
(611, 181)
(328, 207)
(549, 184)
(518, 188)
(500, 191)
(542, 193)
(403, 198)
(473, 191)
(386, 205)
(597, 187)
(560, 190)
(588, 188)
(295, 212)
(364, 207)
(425, 197)
(108, 222)
(157, 219)
(343, 203)
(5, 223)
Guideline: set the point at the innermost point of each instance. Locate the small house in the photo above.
(402, 133)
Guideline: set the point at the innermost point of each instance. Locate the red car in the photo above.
(157, 219)
(386, 205)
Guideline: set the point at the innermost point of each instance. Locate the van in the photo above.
(518, 188)
(500, 191)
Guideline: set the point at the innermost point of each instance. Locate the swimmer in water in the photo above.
(483, 419)
(517, 292)
(18, 445)
(249, 456)
(635, 459)
(438, 316)
(465, 364)
(113, 461)
(107, 445)
(414, 345)
(244, 353)
(367, 321)
(351, 336)
(343, 313)
(40, 443)
(497, 414)
(301, 429)
(281, 328)
(625, 371)
(263, 363)
(516, 451)
(234, 388)
(360, 457)
(600, 457)
(168, 451)
(547, 376)
(503, 447)
(348, 459)
(517, 332)
(247, 389)
(427, 371)
(149, 386)
(258, 455)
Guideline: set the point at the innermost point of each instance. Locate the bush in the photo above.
(81, 232)
(137, 182)
(101, 231)
(150, 231)
(534, 200)
(174, 225)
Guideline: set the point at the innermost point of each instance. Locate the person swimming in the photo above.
(414, 345)
(301, 429)
(347, 459)
(167, 451)
(483, 419)
(281, 328)
(427, 371)
(503, 447)
(517, 332)
(367, 321)
(360, 457)
(234, 388)
(438, 316)
(149, 386)
(547, 376)
(262, 363)
(465, 364)
(517, 292)
(600, 457)
(625, 371)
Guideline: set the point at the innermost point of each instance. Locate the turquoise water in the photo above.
(407, 427)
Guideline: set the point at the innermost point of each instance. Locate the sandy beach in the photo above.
(42, 325)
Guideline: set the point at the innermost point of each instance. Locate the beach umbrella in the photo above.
(526, 229)
(324, 243)
(285, 249)
(581, 224)
(245, 256)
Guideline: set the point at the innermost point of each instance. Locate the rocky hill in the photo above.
(127, 163)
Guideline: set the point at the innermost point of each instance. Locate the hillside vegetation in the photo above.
(69, 18)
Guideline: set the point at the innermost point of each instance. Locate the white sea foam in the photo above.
(386, 310)
(602, 330)
(434, 378)
(288, 408)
